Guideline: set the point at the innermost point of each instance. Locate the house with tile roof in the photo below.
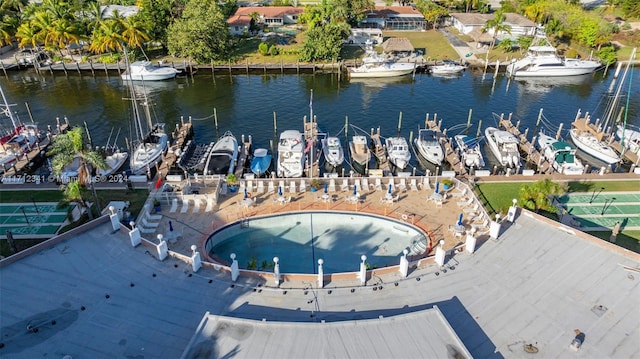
(472, 23)
(239, 24)
(271, 16)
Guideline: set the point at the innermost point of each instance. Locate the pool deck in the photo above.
(412, 206)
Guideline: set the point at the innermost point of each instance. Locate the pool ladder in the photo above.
(244, 223)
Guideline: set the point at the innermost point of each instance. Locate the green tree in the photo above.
(496, 25)
(133, 32)
(263, 49)
(107, 38)
(157, 15)
(201, 33)
(431, 11)
(537, 196)
(75, 192)
(67, 147)
(324, 42)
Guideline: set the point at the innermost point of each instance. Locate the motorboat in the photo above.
(114, 160)
(591, 140)
(429, 146)
(398, 151)
(360, 154)
(630, 138)
(542, 60)
(223, 156)
(504, 146)
(146, 71)
(149, 150)
(260, 162)
(469, 150)
(379, 65)
(291, 156)
(447, 67)
(561, 155)
(17, 140)
(332, 151)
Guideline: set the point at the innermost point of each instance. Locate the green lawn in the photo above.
(497, 197)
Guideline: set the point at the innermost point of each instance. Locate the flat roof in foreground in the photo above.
(93, 295)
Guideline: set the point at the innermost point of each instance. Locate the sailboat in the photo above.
(151, 140)
(17, 140)
(591, 137)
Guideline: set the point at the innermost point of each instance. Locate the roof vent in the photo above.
(599, 310)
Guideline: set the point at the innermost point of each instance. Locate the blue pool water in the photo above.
(300, 239)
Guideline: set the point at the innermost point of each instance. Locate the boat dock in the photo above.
(311, 136)
(533, 155)
(244, 155)
(450, 155)
(379, 151)
(34, 158)
(181, 136)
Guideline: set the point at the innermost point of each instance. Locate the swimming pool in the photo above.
(299, 239)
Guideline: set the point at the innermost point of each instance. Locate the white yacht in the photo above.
(360, 154)
(429, 147)
(590, 140)
(115, 159)
(379, 65)
(504, 146)
(398, 152)
(469, 151)
(146, 71)
(561, 155)
(291, 156)
(333, 151)
(223, 156)
(542, 60)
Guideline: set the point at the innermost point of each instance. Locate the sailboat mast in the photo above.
(134, 100)
(9, 113)
(626, 107)
(616, 97)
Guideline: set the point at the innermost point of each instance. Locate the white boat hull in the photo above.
(147, 155)
(469, 151)
(384, 70)
(428, 147)
(291, 157)
(145, 71)
(588, 143)
(560, 154)
(504, 146)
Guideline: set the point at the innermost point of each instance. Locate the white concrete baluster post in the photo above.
(235, 272)
(134, 234)
(196, 261)
(163, 251)
(511, 215)
(363, 270)
(440, 253)
(470, 244)
(320, 273)
(494, 228)
(115, 220)
(276, 271)
(404, 264)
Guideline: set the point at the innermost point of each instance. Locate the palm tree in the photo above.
(537, 195)
(27, 35)
(65, 149)
(496, 25)
(61, 33)
(134, 33)
(75, 192)
(8, 27)
(107, 38)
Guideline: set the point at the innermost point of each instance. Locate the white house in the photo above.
(472, 24)
(272, 16)
(239, 24)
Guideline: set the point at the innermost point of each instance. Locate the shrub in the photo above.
(263, 49)
(273, 50)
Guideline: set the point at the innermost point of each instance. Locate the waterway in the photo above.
(245, 104)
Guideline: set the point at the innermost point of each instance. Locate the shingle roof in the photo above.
(270, 11)
(467, 18)
(239, 20)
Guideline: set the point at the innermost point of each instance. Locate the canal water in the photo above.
(248, 104)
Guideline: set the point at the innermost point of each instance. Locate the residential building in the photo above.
(472, 23)
(272, 16)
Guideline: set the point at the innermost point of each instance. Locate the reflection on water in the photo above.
(382, 81)
(544, 84)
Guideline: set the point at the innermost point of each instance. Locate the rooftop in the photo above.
(94, 295)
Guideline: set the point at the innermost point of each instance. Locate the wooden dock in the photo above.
(180, 137)
(244, 155)
(380, 152)
(628, 155)
(533, 155)
(450, 155)
(31, 160)
(311, 136)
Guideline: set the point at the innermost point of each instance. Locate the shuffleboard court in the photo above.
(25, 220)
(600, 211)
